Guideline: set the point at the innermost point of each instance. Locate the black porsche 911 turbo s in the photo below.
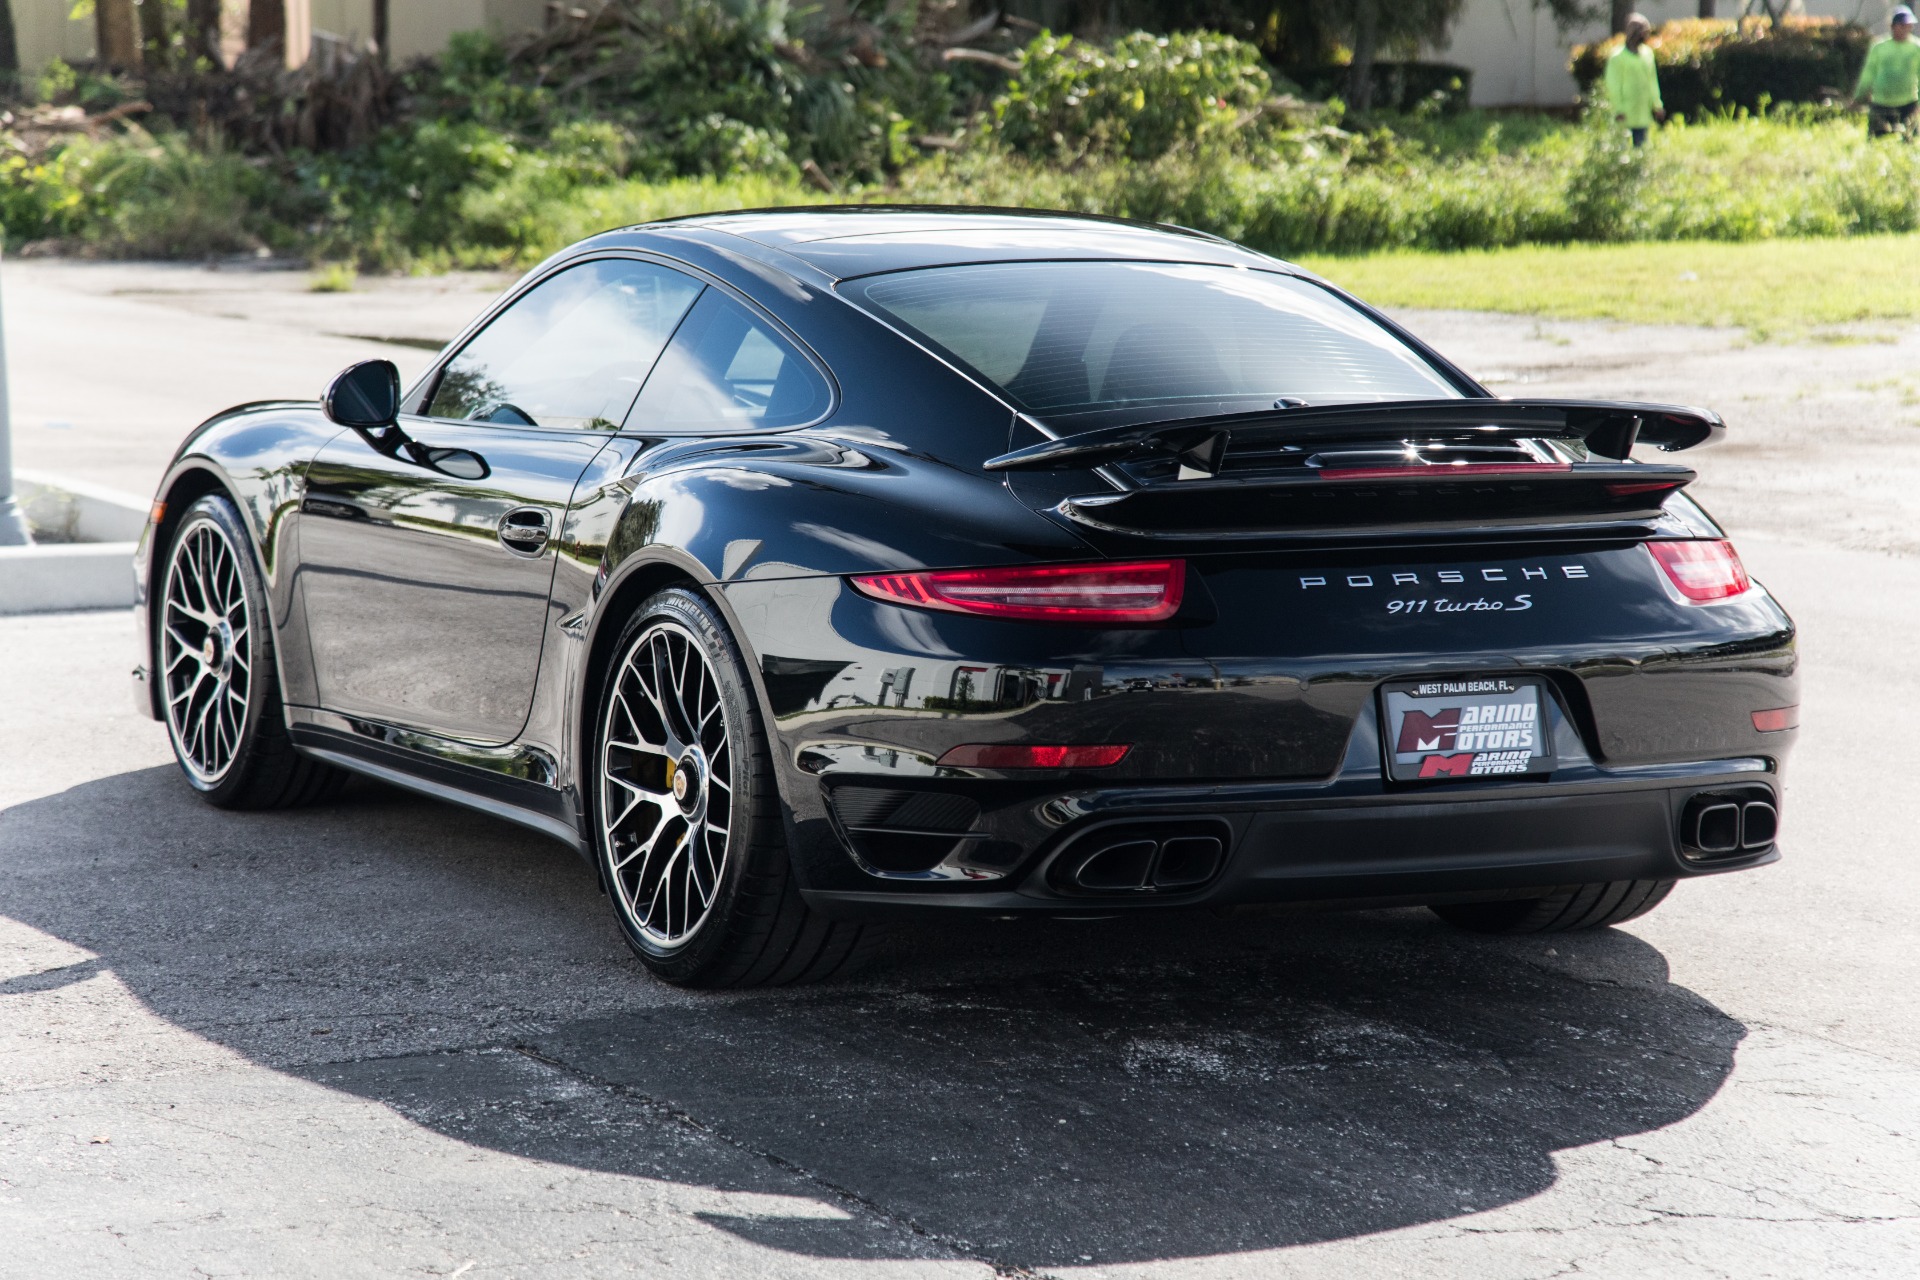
(806, 569)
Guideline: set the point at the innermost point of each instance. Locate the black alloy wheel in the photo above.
(692, 848)
(214, 665)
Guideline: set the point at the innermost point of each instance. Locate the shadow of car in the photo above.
(1030, 1093)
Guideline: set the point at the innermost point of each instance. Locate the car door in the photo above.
(426, 571)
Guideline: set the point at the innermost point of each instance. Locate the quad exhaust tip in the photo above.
(1725, 826)
(1143, 859)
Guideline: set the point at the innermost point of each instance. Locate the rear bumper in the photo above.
(1435, 843)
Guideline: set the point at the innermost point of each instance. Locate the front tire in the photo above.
(214, 663)
(1579, 906)
(691, 845)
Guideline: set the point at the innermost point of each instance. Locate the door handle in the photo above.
(525, 530)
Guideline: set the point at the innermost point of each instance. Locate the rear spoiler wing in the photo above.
(1608, 428)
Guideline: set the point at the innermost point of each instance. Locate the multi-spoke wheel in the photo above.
(213, 662)
(666, 799)
(206, 651)
(691, 844)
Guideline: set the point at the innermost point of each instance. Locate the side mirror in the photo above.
(365, 396)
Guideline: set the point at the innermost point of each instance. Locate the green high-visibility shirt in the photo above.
(1633, 86)
(1891, 77)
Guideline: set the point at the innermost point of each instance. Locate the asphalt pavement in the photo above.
(389, 1037)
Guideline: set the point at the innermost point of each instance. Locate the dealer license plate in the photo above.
(1468, 727)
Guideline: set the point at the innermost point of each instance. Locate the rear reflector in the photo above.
(1145, 591)
(982, 755)
(1777, 719)
(1702, 570)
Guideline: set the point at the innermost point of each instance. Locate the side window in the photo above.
(572, 352)
(726, 370)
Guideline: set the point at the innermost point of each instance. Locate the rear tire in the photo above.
(1578, 906)
(213, 662)
(691, 844)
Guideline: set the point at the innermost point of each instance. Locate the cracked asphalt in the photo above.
(385, 1037)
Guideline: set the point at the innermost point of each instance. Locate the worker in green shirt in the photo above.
(1633, 86)
(1890, 82)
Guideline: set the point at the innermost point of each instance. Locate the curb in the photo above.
(63, 576)
(93, 569)
(80, 512)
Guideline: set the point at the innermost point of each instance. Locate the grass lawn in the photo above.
(1783, 287)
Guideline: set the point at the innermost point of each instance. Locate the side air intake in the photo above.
(903, 832)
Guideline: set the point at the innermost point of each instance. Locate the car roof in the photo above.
(844, 242)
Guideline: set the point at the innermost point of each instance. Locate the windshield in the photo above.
(1082, 337)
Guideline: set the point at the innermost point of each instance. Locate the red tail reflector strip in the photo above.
(1446, 471)
(1702, 570)
(1777, 719)
(982, 755)
(1627, 488)
(1145, 591)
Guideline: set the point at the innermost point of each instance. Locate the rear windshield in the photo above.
(1080, 337)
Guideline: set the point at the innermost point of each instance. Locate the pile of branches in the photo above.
(32, 130)
(340, 98)
(581, 47)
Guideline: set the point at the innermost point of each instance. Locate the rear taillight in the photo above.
(1702, 570)
(983, 755)
(1144, 591)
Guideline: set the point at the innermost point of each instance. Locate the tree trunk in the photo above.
(153, 31)
(9, 50)
(266, 22)
(116, 37)
(203, 32)
(1622, 9)
(1707, 8)
(1366, 43)
(382, 29)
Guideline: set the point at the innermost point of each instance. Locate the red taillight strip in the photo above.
(983, 755)
(1445, 471)
(1778, 719)
(1702, 571)
(1136, 592)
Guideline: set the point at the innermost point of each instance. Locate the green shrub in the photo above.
(1140, 97)
(1179, 130)
(1442, 87)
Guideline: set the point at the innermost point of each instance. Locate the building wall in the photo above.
(422, 26)
(45, 32)
(1519, 55)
